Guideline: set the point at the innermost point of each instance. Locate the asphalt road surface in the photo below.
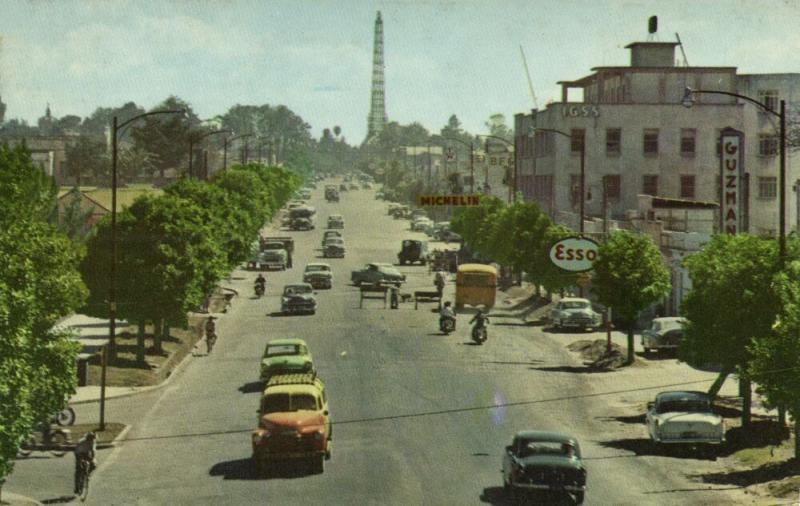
(413, 409)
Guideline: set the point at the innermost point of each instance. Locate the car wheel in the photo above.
(318, 464)
(579, 497)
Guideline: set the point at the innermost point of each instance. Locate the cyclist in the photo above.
(85, 449)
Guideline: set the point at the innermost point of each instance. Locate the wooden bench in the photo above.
(422, 296)
(373, 292)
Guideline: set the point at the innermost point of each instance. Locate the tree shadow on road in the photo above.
(499, 497)
(516, 324)
(633, 419)
(646, 447)
(572, 369)
(252, 387)
(56, 500)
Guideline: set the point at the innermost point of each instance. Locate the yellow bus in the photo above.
(476, 284)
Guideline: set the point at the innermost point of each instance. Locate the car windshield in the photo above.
(304, 402)
(297, 289)
(317, 268)
(276, 350)
(574, 305)
(282, 403)
(335, 241)
(686, 406)
(528, 448)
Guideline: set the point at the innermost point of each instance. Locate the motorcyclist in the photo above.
(480, 319)
(439, 282)
(261, 283)
(447, 313)
(85, 449)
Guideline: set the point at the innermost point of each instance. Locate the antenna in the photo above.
(685, 61)
(528, 75)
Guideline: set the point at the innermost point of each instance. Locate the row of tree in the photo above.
(174, 248)
(39, 284)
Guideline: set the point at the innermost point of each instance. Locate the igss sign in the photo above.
(574, 254)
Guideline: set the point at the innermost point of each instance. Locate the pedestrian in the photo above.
(211, 333)
(439, 282)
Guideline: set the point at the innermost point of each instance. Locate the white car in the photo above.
(318, 275)
(574, 312)
(684, 417)
(664, 333)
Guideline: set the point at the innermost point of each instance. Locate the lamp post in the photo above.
(583, 171)
(513, 186)
(688, 101)
(471, 160)
(193, 140)
(225, 148)
(112, 275)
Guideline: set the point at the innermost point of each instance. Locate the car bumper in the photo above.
(319, 283)
(579, 323)
(547, 486)
(690, 440)
(299, 309)
(659, 346)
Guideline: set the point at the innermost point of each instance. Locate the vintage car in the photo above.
(684, 417)
(328, 234)
(413, 251)
(318, 275)
(342, 187)
(335, 221)
(273, 256)
(392, 208)
(333, 248)
(284, 356)
(421, 224)
(377, 273)
(305, 194)
(354, 186)
(574, 312)
(664, 334)
(301, 224)
(294, 422)
(546, 463)
(298, 298)
(418, 213)
(332, 195)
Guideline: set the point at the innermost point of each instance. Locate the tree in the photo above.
(88, 156)
(166, 136)
(629, 277)
(497, 126)
(73, 221)
(472, 223)
(99, 122)
(541, 269)
(27, 190)
(134, 162)
(732, 271)
(337, 130)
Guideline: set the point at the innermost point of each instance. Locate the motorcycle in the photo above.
(64, 417)
(479, 331)
(259, 288)
(447, 325)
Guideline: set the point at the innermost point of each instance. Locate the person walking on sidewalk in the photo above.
(211, 333)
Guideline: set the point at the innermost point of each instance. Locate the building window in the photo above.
(613, 141)
(687, 187)
(767, 145)
(544, 143)
(650, 184)
(543, 186)
(612, 186)
(767, 187)
(769, 98)
(574, 189)
(577, 139)
(651, 141)
(687, 141)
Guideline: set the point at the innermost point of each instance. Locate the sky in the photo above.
(443, 57)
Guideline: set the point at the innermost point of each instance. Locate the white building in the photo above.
(640, 139)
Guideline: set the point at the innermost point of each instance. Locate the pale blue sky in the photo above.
(442, 57)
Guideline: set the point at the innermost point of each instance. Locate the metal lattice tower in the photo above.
(377, 110)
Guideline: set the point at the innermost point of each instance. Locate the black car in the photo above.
(412, 251)
(545, 463)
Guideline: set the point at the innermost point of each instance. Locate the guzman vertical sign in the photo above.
(731, 171)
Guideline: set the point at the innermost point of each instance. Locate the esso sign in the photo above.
(574, 254)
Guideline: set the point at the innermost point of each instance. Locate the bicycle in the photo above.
(52, 440)
(83, 479)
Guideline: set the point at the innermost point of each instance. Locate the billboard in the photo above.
(731, 176)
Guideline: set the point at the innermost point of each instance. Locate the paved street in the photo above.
(413, 423)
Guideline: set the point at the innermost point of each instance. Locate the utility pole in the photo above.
(429, 164)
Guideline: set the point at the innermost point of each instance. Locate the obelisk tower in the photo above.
(377, 109)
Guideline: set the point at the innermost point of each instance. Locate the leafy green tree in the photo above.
(88, 156)
(16, 129)
(473, 223)
(497, 126)
(97, 124)
(73, 221)
(134, 162)
(541, 269)
(732, 271)
(27, 190)
(166, 136)
(629, 277)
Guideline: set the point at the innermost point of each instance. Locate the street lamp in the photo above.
(513, 186)
(193, 140)
(471, 161)
(112, 275)
(688, 101)
(583, 170)
(225, 148)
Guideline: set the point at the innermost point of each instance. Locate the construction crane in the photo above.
(528, 74)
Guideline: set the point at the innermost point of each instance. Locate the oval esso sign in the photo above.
(574, 254)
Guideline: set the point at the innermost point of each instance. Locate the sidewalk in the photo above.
(91, 393)
(13, 499)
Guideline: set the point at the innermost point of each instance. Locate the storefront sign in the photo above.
(581, 111)
(574, 254)
(449, 200)
(731, 171)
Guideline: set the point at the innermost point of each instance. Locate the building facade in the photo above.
(638, 138)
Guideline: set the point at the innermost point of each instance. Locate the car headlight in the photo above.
(318, 435)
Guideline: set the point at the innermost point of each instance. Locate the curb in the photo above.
(18, 499)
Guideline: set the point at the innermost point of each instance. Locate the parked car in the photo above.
(393, 206)
(305, 194)
(421, 224)
(376, 273)
(684, 417)
(333, 248)
(273, 256)
(545, 462)
(298, 298)
(318, 275)
(664, 334)
(285, 356)
(354, 186)
(574, 312)
(332, 195)
(330, 233)
(418, 213)
(335, 221)
(343, 187)
(412, 251)
(294, 422)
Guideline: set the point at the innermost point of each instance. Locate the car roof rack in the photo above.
(293, 379)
